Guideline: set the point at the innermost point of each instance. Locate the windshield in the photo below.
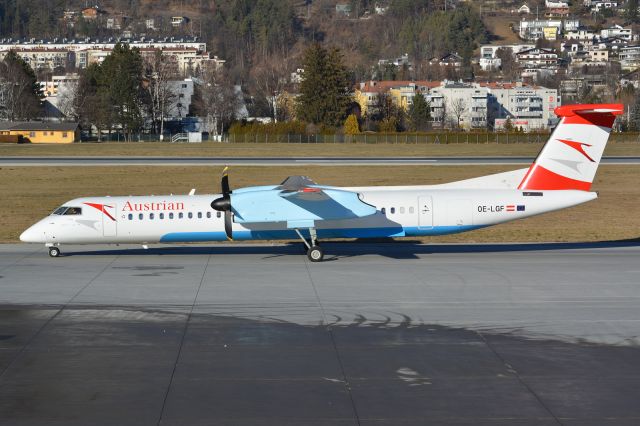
(60, 210)
(67, 211)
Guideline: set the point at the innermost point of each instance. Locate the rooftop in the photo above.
(38, 126)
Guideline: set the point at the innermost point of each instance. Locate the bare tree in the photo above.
(216, 100)
(68, 94)
(458, 108)
(270, 79)
(160, 71)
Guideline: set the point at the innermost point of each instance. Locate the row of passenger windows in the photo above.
(180, 215)
(400, 210)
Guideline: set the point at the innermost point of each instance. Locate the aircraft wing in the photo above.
(298, 204)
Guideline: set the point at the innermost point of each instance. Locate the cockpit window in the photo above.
(60, 210)
(73, 211)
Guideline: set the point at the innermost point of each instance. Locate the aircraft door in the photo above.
(425, 212)
(109, 223)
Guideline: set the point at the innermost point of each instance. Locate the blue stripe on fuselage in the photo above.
(289, 234)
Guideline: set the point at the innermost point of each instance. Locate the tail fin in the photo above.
(571, 156)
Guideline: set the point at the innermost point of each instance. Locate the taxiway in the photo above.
(379, 334)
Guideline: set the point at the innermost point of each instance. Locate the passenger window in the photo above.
(170, 215)
(208, 215)
(401, 210)
(411, 210)
(130, 216)
(73, 211)
(218, 215)
(161, 215)
(392, 210)
(180, 215)
(383, 210)
(140, 216)
(199, 215)
(151, 216)
(190, 215)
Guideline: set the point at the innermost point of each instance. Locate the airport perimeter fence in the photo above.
(410, 138)
(367, 138)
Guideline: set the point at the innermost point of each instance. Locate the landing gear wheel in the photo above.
(315, 254)
(54, 251)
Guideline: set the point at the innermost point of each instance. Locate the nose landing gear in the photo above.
(54, 251)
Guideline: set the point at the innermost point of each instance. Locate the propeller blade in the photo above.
(224, 183)
(228, 225)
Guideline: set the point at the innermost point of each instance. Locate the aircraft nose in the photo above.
(32, 235)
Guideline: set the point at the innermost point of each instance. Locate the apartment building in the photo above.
(43, 59)
(528, 107)
(629, 57)
(459, 105)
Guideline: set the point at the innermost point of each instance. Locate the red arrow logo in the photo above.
(578, 146)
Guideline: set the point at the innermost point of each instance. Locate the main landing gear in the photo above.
(54, 251)
(314, 251)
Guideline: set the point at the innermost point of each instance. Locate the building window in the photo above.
(32, 134)
(65, 134)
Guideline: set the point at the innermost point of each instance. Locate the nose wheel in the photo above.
(54, 251)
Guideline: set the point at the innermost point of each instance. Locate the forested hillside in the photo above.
(259, 37)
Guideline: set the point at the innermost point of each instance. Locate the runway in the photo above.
(379, 334)
(280, 161)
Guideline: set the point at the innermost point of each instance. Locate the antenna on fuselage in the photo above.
(193, 191)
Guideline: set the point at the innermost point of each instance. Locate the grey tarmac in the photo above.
(281, 161)
(381, 333)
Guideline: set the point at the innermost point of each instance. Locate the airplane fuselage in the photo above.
(401, 211)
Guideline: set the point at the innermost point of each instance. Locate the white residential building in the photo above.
(43, 59)
(617, 31)
(535, 29)
(488, 54)
(629, 57)
(528, 107)
(456, 104)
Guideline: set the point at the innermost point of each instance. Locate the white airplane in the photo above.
(560, 177)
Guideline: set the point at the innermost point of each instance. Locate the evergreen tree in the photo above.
(324, 90)
(21, 96)
(508, 125)
(121, 77)
(419, 113)
(632, 11)
(351, 126)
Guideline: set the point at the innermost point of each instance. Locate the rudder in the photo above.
(571, 156)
